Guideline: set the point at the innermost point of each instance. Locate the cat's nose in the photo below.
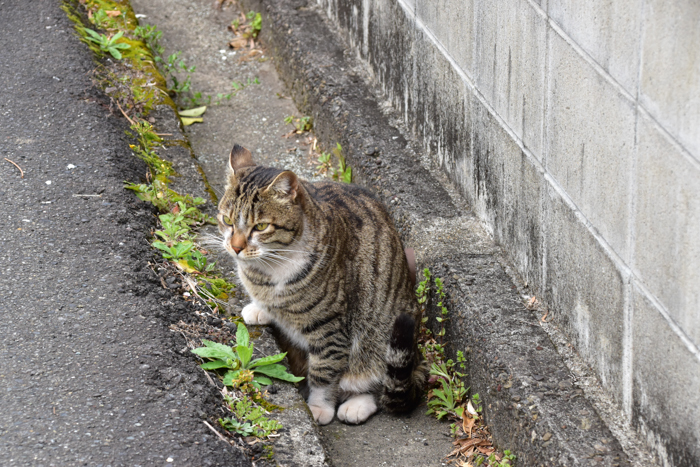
(237, 242)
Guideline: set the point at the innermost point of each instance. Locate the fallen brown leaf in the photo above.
(467, 424)
(238, 43)
(485, 450)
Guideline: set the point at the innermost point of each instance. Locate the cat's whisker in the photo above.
(284, 259)
(274, 261)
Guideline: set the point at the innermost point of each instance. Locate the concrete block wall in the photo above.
(573, 128)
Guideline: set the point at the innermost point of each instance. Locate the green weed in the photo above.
(176, 251)
(108, 43)
(301, 124)
(199, 99)
(450, 398)
(344, 172)
(241, 368)
(255, 20)
(324, 163)
(248, 419)
(250, 28)
(447, 397)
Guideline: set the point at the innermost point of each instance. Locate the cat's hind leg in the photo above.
(357, 408)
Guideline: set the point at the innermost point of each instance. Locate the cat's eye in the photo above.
(227, 220)
(261, 226)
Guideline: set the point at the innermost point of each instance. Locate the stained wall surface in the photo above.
(573, 128)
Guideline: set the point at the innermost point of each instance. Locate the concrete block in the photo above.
(667, 227)
(452, 22)
(509, 188)
(590, 137)
(509, 65)
(608, 31)
(666, 387)
(442, 114)
(389, 40)
(670, 78)
(585, 291)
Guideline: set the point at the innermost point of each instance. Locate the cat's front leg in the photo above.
(325, 364)
(322, 404)
(255, 314)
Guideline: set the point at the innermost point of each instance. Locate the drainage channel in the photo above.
(254, 116)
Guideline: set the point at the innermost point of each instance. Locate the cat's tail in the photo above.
(407, 371)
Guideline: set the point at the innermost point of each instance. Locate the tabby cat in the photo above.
(324, 264)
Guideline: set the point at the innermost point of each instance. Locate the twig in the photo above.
(83, 194)
(217, 433)
(20, 168)
(543, 319)
(124, 113)
(164, 134)
(206, 373)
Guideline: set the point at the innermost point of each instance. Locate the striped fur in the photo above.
(324, 263)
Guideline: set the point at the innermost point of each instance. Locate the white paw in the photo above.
(253, 314)
(323, 413)
(357, 409)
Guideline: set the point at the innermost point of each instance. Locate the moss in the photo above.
(136, 70)
(208, 188)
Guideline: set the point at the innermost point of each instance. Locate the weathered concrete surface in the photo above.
(451, 240)
(90, 374)
(548, 112)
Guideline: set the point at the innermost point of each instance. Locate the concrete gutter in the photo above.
(533, 402)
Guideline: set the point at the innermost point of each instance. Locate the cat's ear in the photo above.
(285, 183)
(240, 157)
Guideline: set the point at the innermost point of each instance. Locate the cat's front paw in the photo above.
(357, 409)
(253, 314)
(322, 413)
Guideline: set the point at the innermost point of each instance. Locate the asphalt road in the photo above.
(89, 372)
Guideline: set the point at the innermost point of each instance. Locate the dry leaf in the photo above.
(238, 42)
(470, 408)
(467, 424)
(182, 264)
(113, 13)
(484, 450)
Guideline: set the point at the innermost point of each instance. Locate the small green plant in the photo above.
(324, 163)
(151, 35)
(174, 228)
(344, 172)
(476, 402)
(241, 368)
(176, 251)
(440, 292)
(301, 124)
(197, 261)
(198, 99)
(107, 43)
(248, 419)
(172, 65)
(449, 399)
(99, 18)
(255, 20)
(508, 460)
